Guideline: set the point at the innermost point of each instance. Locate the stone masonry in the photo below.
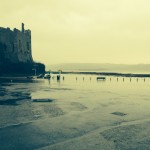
(15, 46)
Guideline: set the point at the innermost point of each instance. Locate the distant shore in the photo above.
(111, 74)
(26, 78)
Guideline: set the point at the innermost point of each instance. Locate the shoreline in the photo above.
(16, 79)
(27, 77)
(111, 74)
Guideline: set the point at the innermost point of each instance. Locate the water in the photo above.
(83, 114)
(89, 85)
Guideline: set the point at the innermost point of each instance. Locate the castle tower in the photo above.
(17, 43)
(16, 51)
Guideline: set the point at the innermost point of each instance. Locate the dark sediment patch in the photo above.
(118, 113)
(20, 94)
(60, 89)
(5, 84)
(21, 88)
(47, 90)
(78, 106)
(2, 91)
(118, 122)
(47, 109)
(13, 101)
(53, 110)
(42, 100)
(15, 125)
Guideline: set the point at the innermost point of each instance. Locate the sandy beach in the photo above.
(75, 114)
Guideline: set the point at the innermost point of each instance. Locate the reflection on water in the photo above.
(88, 84)
(72, 85)
(47, 112)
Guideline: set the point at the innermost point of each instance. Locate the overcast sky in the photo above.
(83, 31)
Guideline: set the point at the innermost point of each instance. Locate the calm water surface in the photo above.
(84, 114)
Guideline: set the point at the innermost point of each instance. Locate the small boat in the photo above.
(47, 76)
(101, 78)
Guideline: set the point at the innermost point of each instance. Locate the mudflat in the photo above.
(75, 114)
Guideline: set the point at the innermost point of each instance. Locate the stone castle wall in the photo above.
(15, 46)
(16, 52)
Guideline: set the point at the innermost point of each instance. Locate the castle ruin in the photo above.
(15, 50)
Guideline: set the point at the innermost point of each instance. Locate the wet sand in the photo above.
(75, 115)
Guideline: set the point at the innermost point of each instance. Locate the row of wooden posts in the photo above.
(137, 79)
(117, 79)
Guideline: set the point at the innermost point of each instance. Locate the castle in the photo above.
(16, 51)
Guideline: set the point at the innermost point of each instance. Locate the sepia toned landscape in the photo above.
(75, 75)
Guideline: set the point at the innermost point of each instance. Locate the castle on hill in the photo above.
(16, 51)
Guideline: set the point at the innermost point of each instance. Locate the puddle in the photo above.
(42, 100)
(78, 106)
(119, 113)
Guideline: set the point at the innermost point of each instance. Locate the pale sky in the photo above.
(83, 31)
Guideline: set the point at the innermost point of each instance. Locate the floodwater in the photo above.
(77, 113)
